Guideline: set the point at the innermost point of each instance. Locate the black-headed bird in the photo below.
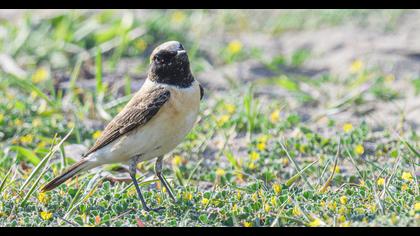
(153, 122)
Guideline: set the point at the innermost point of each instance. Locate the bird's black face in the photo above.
(169, 64)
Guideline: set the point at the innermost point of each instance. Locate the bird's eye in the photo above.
(164, 56)
(159, 59)
(181, 47)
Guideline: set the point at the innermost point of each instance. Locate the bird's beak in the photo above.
(181, 52)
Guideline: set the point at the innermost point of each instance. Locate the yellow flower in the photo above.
(131, 192)
(389, 78)
(36, 122)
(261, 192)
(234, 47)
(372, 208)
(332, 206)
(97, 134)
(254, 156)
(381, 181)
(337, 169)
(303, 148)
(254, 197)
(394, 219)
(359, 149)
(18, 122)
(230, 108)
(222, 120)
(34, 95)
(360, 210)
(404, 187)
(296, 211)
(315, 223)
(41, 144)
(71, 124)
(343, 200)
(239, 176)
(247, 224)
(345, 224)
(251, 165)
(285, 161)
(40, 75)
(407, 176)
(46, 215)
(262, 139)
(261, 146)
(238, 195)
(277, 188)
(141, 45)
(347, 127)
(188, 196)
(177, 160)
(159, 200)
(205, 201)
(234, 207)
(43, 198)
(342, 210)
(27, 138)
(42, 107)
(267, 207)
(275, 116)
(273, 201)
(356, 66)
(220, 172)
(417, 206)
(178, 17)
(341, 218)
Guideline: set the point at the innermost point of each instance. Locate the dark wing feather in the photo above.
(135, 114)
(201, 92)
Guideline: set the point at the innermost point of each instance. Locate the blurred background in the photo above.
(372, 54)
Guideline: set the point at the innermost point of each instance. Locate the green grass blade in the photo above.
(37, 169)
(193, 171)
(30, 87)
(32, 189)
(98, 76)
(417, 154)
(294, 163)
(295, 177)
(75, 198)
(26, 153)
(44, 160)
(231, 159)
(5, 179)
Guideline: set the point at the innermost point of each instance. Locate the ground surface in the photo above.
(311, 118)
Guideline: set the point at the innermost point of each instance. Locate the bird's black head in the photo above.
(169, 64)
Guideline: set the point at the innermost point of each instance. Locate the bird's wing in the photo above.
(135, 114)
(201, 92)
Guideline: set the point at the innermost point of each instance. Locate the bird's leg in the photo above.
(133, 170)
(158, 170)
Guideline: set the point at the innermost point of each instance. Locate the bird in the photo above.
(156, 119)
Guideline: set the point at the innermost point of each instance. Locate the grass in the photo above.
(251, 160)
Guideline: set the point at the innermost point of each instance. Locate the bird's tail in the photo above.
(78, 167)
